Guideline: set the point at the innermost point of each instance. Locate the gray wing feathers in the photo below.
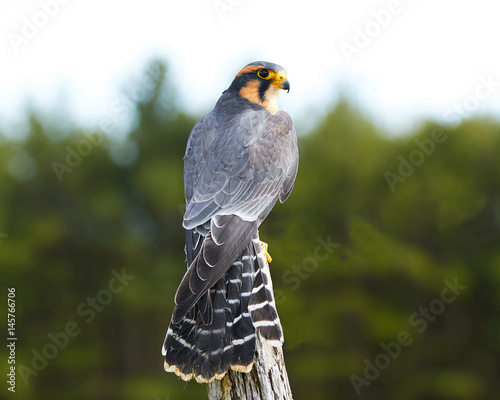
(234, 172)
(220, 180)
(228, 237)
(293, 160)
(196, 157)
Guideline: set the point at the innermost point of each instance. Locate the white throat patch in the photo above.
(272, 100)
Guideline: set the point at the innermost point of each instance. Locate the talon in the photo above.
(264, 246)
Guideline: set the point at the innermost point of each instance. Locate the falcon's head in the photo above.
(260, 83)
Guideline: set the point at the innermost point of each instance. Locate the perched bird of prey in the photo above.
(240, 159)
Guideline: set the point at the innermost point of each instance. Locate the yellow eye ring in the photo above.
(263, 73)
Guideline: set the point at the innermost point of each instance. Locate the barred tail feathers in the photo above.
(218, 333)
(195, 347)
(262, 306)
(241, 281)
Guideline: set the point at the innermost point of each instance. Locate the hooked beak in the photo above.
(280, 81)
(286, 86)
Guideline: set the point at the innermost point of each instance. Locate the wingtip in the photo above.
(180, 311)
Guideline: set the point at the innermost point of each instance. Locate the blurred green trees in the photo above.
(360, 259)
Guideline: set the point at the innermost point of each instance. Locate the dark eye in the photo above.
(263, 73)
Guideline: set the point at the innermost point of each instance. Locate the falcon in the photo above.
(241, 158)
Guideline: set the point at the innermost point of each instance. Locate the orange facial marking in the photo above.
(251, 92)
(249, 69)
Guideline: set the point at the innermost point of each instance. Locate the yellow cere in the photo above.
(280, 77)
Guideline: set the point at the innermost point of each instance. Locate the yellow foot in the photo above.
(264, 246)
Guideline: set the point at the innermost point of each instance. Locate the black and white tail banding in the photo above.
(218, 332)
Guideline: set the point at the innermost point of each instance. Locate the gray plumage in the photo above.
(240, 159)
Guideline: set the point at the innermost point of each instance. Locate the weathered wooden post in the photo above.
(267, 380)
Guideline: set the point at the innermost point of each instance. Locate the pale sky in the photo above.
(401, 61)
